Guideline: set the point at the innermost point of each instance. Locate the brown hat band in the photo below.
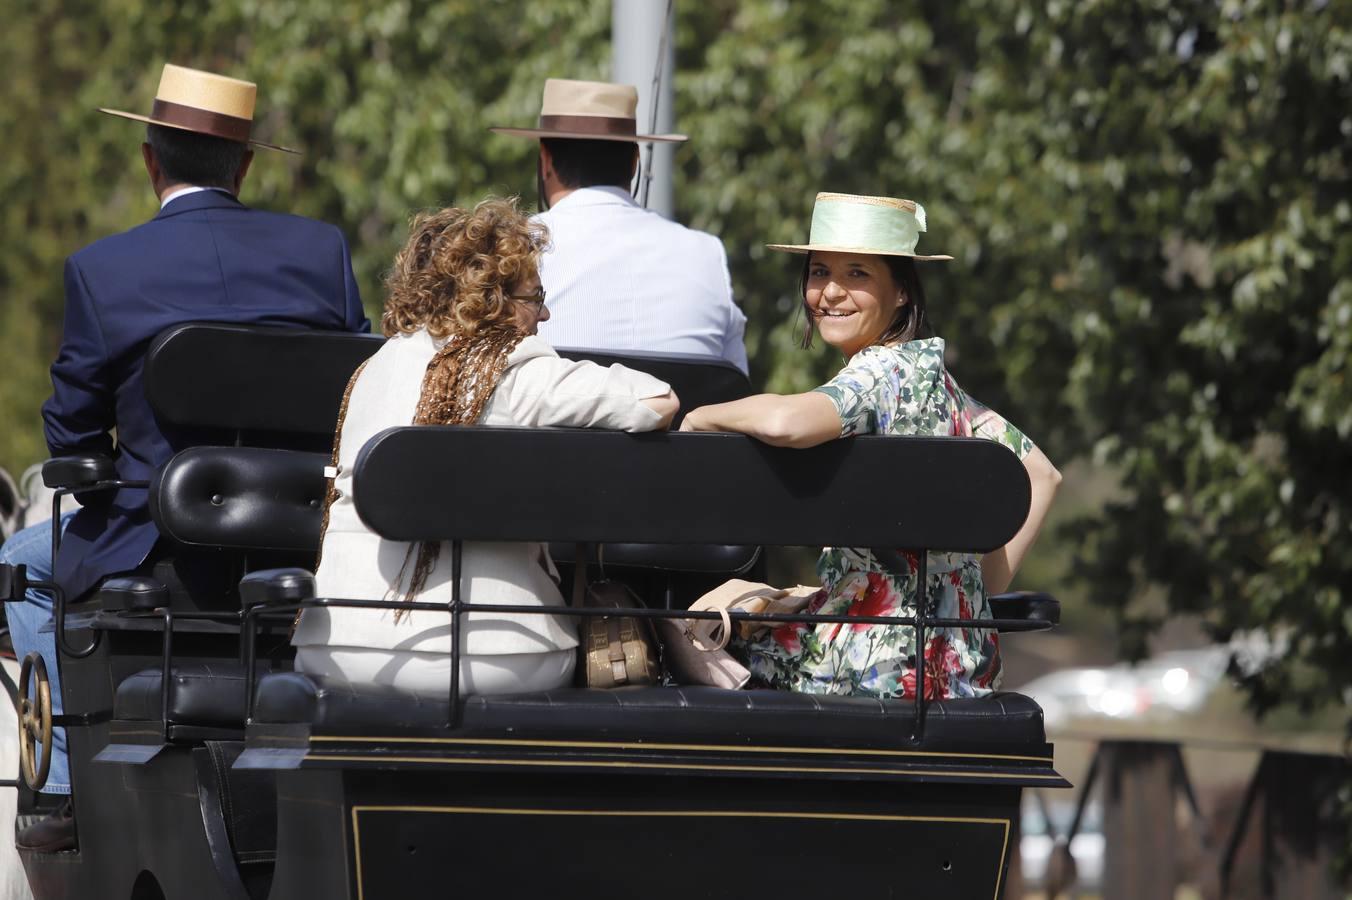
(607, 125)
(231, 128)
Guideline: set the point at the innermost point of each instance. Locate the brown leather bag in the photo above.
(615, 650)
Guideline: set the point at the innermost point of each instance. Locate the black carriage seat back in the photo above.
(252, 385)
(697, 381)
(673, 488)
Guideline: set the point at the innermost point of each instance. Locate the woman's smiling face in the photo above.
(852, 298)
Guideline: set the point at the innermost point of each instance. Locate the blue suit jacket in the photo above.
(205, 258)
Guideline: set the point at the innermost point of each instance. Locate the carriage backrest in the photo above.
(439, 483)
(697, 380)
(253, 379)
(253, 384)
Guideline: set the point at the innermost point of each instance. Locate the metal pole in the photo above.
(636, 35)
(456, 609)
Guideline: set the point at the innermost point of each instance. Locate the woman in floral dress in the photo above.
(862, 294)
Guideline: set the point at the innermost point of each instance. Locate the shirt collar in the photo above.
(191, 189)
(599, 195)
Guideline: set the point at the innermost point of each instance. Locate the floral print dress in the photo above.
(902, 389)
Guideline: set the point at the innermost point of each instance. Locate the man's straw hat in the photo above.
(205, 103)
(849, 223)
(590, 111)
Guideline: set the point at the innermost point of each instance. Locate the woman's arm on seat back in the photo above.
(998, 566)
(793, 420)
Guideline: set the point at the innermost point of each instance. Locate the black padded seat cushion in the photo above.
(706, 714)
(131, 592)
(204, 694)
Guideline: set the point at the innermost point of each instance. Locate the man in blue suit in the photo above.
(204, 257)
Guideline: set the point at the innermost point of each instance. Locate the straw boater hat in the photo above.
(205, 103)
(589, 111)
(848, 223)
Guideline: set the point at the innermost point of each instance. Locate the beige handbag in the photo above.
(693, 661)
(615, 650)
(695, 647)
(747, 596)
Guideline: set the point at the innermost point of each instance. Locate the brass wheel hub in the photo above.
(35, 722)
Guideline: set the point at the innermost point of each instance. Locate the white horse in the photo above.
(13, 880)
(20, 506)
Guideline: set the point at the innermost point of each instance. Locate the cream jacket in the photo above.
(538, 389)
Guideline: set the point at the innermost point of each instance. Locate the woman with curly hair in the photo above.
(463, 302)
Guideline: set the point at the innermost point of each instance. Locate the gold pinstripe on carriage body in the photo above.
(676, 813)
(702, 767)
(643, 745)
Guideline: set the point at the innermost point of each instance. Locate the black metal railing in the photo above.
(923, 619)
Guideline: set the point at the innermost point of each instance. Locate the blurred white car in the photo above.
(1167, 684)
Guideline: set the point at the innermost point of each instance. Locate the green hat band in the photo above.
(887, 229)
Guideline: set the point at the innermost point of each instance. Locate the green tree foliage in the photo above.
(1148, 202)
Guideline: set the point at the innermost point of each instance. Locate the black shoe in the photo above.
(52, 834)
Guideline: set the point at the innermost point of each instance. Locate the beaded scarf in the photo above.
(459, 382)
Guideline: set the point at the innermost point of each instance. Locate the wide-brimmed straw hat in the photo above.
(588, 111)
(849, 223)
(205, 103)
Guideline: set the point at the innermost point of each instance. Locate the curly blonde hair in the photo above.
(455, 273)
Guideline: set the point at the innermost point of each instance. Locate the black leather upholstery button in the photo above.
(239, 497)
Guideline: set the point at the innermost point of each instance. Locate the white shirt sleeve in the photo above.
(734, 341)
(734, 333)
(551, 391)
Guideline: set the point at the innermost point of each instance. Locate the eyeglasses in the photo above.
(536, 299)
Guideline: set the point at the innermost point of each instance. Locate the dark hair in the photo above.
(910, 322)
(187, 157)
(582, 164)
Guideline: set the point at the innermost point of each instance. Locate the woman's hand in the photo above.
(692, 419)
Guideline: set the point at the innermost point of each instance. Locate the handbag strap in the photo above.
(725, 631)
(615, 652)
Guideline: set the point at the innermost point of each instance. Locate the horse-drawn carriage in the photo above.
(204, 767)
